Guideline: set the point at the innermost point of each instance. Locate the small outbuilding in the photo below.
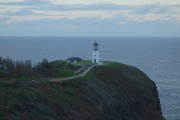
(74, 60)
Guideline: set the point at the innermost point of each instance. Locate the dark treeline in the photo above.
(8, 64)
(25, 70)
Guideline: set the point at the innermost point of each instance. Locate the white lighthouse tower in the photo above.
(95, 53)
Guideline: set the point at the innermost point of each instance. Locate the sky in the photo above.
(118, 18)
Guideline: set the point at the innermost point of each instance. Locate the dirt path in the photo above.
(75, 76)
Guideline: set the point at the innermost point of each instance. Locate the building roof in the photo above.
(74, 58)
(95, 43)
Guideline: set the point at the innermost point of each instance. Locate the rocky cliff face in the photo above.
(112, 92)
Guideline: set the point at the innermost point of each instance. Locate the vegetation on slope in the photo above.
(112, 92)
(24, 70)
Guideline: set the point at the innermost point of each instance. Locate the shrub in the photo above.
(31, 95)
(64, 110)
(26, 78)
(46, 111)
(2, 85)
(73, 82)
(18, 106)
(10, 107)
(3, 72)
(70, 91)
(16, 84)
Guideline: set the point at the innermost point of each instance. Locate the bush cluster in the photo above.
(8, 64)
(25, 70)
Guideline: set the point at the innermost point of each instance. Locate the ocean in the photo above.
(158, 57)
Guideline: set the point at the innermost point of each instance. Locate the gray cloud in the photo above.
(98, 7)
(28, 3)
(146, 9)
(95, 21)
(42, 5)
(154, 9)
(91, 26)
(85, 26)
(164, 10)
(22, 12)
(4, 19)
(87, 7)
(136, 9)
(33, 0)
(116, 25)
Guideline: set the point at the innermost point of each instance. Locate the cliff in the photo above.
(111, 92)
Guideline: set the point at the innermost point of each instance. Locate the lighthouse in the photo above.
(95, 53)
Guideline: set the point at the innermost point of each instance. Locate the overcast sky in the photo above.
(124, 18)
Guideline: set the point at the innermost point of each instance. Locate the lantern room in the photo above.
(95, 46)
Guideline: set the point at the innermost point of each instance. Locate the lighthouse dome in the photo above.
(95, 43)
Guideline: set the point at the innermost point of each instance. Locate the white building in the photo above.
(74, 60)
(95, 53)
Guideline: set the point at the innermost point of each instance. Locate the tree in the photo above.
(28, 64)
(9, 64)
(1, 62)
(44, 63)
(18, 65)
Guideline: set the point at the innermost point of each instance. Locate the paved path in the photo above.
(75, 76)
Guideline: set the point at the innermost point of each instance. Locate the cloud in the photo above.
(39, 5)
(145, 9)
(28, 3)
(18, 13)
(47, 6)
(97, 21)
(39, 17)
(150, 12)
(94, 7)
(154, 9)
(87, 26)
(4, 19)
(118, 2)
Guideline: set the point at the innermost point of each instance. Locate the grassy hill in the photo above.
(24, 70)
(112, 92)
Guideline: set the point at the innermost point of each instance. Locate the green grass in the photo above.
(70, 91)
(85, 62)
(26, 78)
(89, 62)
(64, 73)
(56, 64)
(115, 65)
(60, 64)
(45, 110)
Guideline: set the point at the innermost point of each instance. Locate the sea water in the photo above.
(159, 58)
